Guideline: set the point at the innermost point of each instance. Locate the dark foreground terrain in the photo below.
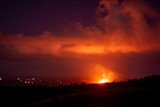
(144, 92)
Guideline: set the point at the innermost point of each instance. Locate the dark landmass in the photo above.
(144, 92)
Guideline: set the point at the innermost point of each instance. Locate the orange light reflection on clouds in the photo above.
(124, 30)
(84, 49)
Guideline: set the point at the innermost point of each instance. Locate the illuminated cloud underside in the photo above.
(124, 29)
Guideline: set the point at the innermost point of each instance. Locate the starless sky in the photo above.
(38, 16)
(80, 38)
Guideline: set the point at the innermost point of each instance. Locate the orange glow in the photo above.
(84, 49)
(103, 81)
(116, 36)
(102, 75)
(103, 52)
(52, 45)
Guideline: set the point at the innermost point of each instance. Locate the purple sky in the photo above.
(37, 16)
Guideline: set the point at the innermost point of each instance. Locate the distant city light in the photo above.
(0, 79)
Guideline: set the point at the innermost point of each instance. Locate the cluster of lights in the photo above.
(26, 81)
(59, 81)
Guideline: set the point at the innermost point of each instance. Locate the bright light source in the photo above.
(103, 81)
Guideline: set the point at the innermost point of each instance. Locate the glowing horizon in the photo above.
(124, 42)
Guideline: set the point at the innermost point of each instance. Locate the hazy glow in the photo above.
(125, 30)
(103, 81)
(122, 31)
(103, 75)
(83, 49)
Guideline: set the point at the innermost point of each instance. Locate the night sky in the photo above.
(38, 16)
(80, 38)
